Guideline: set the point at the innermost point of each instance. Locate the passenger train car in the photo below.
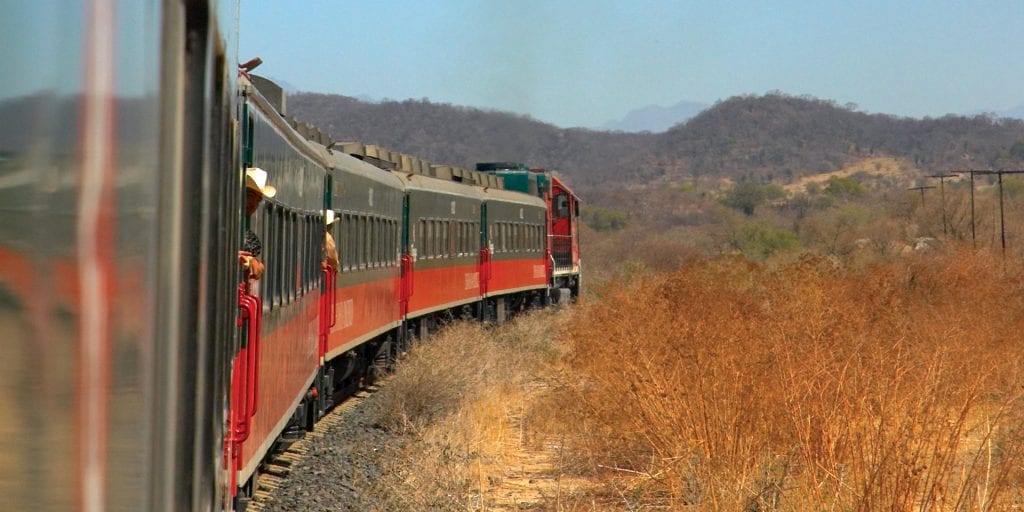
(140, 367)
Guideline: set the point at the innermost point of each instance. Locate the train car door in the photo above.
(484, 262)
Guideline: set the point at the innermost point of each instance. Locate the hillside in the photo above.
(774, 137)
(457, 135)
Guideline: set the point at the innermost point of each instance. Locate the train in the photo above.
(141, 366)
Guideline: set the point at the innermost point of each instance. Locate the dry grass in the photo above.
(460, 401)
(729, 385)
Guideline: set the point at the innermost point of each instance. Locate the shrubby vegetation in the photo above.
(728, 385)
(747, 195)
(604, 219)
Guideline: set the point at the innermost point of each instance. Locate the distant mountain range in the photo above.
(774, 137)
(1013, 113)
(655, 118)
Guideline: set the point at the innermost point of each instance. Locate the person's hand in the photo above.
(243, 258)
(256, 268)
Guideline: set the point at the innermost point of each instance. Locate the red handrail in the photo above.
(257, 353)
(333, 274)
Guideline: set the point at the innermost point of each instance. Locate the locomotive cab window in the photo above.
(562, 206)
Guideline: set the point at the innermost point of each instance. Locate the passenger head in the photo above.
(256, 189)
(329, 218)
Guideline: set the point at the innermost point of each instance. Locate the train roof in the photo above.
(420, 182)
(389, 168)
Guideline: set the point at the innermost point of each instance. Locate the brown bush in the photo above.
(730, 385)
(459, 400)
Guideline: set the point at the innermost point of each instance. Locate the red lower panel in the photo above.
(441, 286)
(288, 356)
(507, 275)
(362, 309)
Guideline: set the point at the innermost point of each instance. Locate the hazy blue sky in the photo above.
(582, 63)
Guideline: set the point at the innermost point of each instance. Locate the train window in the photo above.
(449, 238)
(312, 226)
(300, 255)
(356, 243)
(371, 242)
(361, 242)
(393, 238)
(350, 242)
(289, 267)
(428, 239)
(305, 232)
(269, 243)
(440, 238)
(265, 235)
(427, 243)
(283, 256)
(444, 238)
(297, 239)
(415, 231)
(432, 235)
(286, 257)
(387, 243)
(418, 228)
(377, 239)
(456, 237)
(367, 241)
(561, 206)
(382, 241)
(462, 238)
(278, 255)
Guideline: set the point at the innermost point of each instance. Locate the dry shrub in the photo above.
(730, 385)
(458, 400)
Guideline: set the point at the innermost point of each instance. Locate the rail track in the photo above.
(274, 472)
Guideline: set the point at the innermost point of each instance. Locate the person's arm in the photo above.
(251, 264)
(331, 251)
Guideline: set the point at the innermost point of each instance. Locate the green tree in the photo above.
(604, 219)
(843, 186)
(759, 240)
(746, 196)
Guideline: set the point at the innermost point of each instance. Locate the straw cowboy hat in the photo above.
(256, 179)
(329, 217)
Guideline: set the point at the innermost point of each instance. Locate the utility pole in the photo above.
(942, 191)
(972, 172)
(1002, 218)
(922, 189)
